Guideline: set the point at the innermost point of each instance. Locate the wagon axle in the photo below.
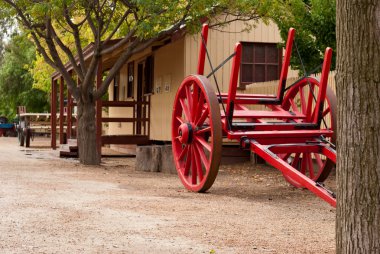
(186, 133)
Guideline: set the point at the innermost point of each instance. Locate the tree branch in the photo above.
(58, 62)
(67, 52)
(121, 43)
(117, 26)
(77, 39)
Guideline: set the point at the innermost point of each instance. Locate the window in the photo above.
(260, 62)
(130, 90)
(116, 83)
(148, 75)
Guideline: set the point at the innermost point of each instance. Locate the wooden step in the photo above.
(73, 149)
(67, 154)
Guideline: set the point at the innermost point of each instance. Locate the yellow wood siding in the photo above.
(168, 69)
(221, 44)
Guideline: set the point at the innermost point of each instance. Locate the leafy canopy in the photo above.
(314, 21)
(16, 81)
(62, 28)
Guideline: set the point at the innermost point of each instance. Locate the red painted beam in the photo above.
(69, 114)
(202, 50)
(286, 63)
(61, 111)
(280, 134)
(323, 84)
(293, 173)
(233, 82)
(53, 112)
(265, 114)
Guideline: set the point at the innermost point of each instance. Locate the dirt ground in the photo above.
(53, 205)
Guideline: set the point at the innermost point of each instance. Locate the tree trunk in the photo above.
(88, 153)
(358, 92)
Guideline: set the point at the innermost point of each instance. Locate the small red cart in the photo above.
(296, 134)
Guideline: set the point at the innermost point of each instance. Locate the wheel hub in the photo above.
(185, 133)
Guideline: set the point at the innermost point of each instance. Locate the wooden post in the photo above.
(53, 111)
(99, 79)
(69, 114)
(76, 118)
(61, 111)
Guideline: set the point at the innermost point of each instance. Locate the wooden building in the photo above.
(139, 107)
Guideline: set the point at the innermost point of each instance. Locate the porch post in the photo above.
(61, 111)
(69, 114)
(53, 112)
(99, 80)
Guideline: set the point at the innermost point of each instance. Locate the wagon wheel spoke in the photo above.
(203, 117)
(203, 143)
(186, 110)
(193, 167)
(182, 154)
(195, 102)
(326, 111)
(319, 160)
(285, 157)
(310, 103)
(303, 164)
(180, 119)
(188, 161)
(294, 106)
(311, 166)
(296, 160)
(199, 107)
(204, 130)
(203, 156)
(198, 163)
(302, 100)
(189, 102)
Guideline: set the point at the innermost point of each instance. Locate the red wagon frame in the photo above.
(292, 135)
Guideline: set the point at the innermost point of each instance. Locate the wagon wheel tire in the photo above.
(196, 133)
(299, 98)
(28, 137)
(21, 137)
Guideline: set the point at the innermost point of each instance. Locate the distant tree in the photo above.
(1, 48)
(138, 23)
(314, 21)
(358, 92)
(15, 80)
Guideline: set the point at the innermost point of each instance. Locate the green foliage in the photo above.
(314, 21)
(16, 81)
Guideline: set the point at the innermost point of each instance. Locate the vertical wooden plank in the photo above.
(99, 80)
(149, 117)
(53, 112)
(61, 110)
(76, 118)
(69, 113)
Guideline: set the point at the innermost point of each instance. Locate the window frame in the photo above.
(265, 63)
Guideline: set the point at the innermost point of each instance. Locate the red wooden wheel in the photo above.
(300, 99)
(196, 133)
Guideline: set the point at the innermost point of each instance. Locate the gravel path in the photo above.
(53, 205)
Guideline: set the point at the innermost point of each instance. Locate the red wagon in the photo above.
(296, 134)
